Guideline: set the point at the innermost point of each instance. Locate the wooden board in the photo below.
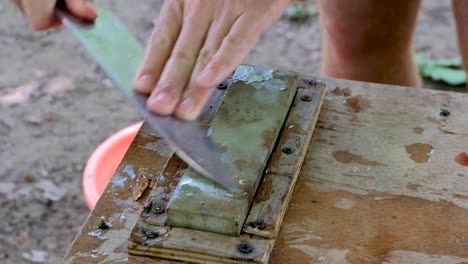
(272, 199)
(360, 198)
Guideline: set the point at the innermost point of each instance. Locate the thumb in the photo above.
(84, 9)
(40, 13)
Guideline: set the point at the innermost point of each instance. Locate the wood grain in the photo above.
(344, 210)
(274, 194)
(378, 204)
(201, 246)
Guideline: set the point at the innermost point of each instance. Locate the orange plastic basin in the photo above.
(104, 161)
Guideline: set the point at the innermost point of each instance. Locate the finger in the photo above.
(84, 9)
(234, 48)
(40, 13)
(159, 46)
(179, 67)
(195, 97)
(18, 4)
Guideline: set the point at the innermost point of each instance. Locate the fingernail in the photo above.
(186, 109)
(145, 83)
(159, 99)
(91, 9)
(90, 5)
(207, 77)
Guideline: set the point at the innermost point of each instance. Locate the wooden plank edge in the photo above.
(182, 255)
(188, 241)
(253, 223)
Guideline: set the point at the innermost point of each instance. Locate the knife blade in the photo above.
(118, 53)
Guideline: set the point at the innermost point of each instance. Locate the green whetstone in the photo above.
(245, 129)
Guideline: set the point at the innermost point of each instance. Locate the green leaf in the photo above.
(300, 11)
(447, 75)
(449, 71)
(420, 59)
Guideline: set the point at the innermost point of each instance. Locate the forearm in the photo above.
(460, 10)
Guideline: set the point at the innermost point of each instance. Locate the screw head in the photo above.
(287, 150)
(224, 85)
(260, 224)
(104, 225)
(150, 234)
(306, 98)
(444, 113)
(244, 247)
(158, 209)
(311, 82)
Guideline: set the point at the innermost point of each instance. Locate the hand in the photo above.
(195, 45)
(41, 16)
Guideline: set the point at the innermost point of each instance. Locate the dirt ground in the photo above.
(56, 107)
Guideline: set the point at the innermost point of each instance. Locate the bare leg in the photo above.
(460, 10)
(369, 40)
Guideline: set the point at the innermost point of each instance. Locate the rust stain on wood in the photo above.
(418, 130)
(434, 120)
(461, 196)
(344, 92)
(379, 226)
(357, 103)
(348, 157)
(368, 177)
(462, 159)
(419, 152)
(413, 186)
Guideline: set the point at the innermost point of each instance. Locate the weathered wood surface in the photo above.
(274, 194)
(366, 193)
(203, 247)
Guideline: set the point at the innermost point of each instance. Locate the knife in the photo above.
(118, 53)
